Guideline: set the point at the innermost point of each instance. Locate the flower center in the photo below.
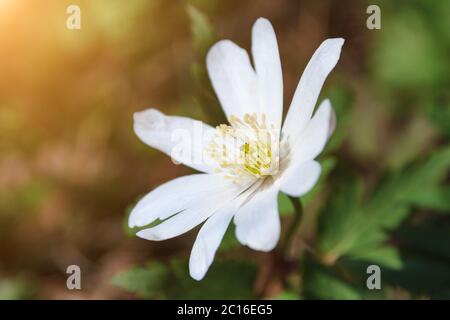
(247, 149)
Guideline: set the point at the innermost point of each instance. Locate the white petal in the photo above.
(300, 178)
(310, 143)
(233, 78)
(175, 196)
(310, 84)
(181, 138)
(189, 218)
(268, 69)
(207, 242)
(258, 222)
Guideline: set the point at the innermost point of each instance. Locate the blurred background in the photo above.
(71, 167)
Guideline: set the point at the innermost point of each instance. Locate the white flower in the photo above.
(246, 163)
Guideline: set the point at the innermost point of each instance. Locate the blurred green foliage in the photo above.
(348, 226)
(17, 288)
(172, 280)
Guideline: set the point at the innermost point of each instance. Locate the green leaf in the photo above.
(225, 280)
(349, 226)
(437, 108)
(431, 239)
(425, 258)
(338, 219)
(323, 283)
(421, 276)
(437, 199)
(386, 256)
(147, 282)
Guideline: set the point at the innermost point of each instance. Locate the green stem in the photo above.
(298, 213)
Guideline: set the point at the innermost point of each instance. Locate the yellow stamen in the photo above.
(246, 149)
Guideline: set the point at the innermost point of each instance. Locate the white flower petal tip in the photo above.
(263, 30)
(135, 219)
(267, 63)
(201, 259)
(208, 241)
(134, 222)
(148, 235)
(330, 52)
(149, 119)
(311, 82)
(198, 264)
(261, 21)
(263, 245)
(242, 88)
(232, 77)
(258, 221)
(181, 195)
(180, 138)
(299, 179)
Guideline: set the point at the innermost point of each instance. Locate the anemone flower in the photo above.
(245, 163)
